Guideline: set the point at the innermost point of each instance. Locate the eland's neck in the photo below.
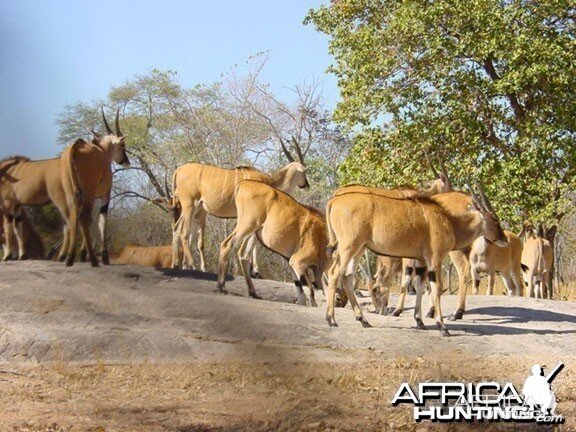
(106, 147)
(281, 179)
(467, 228)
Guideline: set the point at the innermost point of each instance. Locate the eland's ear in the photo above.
(96, 134)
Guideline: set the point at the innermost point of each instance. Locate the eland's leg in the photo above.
(311, 289)
(518, 282)
(177, 257)
(475, 282)
(103, 228)
(83, 252)
(374, 290)
(538, 289)
(406, 281)
(435, 278)
(374, 286)
(225, 249)
(238, 236)
(8, 222)
(201, 227)
(549, 286)
(545, 286)
(180, 235)
(255, 270)
(431, 306)
(72, 233)
(188, 227)
(508, 283)
(244, 254)
(299, 266)
(65, 243)
(462, 265)
(348, 273)
(319, 280)
(62, 207)
(384, 290)
(418, 283)
(85, 222)
(334, 279)
(19, 231)
(299, 286)
(530, 286)
(490, 287)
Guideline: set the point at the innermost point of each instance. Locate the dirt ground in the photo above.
(127, 348)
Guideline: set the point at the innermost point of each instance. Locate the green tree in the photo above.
(488, 86)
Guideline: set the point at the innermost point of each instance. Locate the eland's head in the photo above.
(114, 142)
(492, 230)
(296, 171)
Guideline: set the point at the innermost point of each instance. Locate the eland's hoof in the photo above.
(431, 313)
(364, 322)
(221, 289)
(8, 258)
(256, 275)
(257, 297)
(94, 262)
(444, 332)
(456, 315)
(396, 312)
(69, 261)
(105, 258)
(420, 324)
(331, 321)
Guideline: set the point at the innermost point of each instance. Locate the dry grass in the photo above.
(255, 397)
(566, 291)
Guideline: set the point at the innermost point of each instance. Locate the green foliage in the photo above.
(488, 86)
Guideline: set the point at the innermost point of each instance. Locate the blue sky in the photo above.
(53, 53)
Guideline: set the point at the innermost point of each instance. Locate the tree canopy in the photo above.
(487, 86)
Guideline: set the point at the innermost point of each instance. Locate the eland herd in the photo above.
(411, 230)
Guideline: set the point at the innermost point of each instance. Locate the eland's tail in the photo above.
(332, 241)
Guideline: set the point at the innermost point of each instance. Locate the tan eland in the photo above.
(292, 230)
